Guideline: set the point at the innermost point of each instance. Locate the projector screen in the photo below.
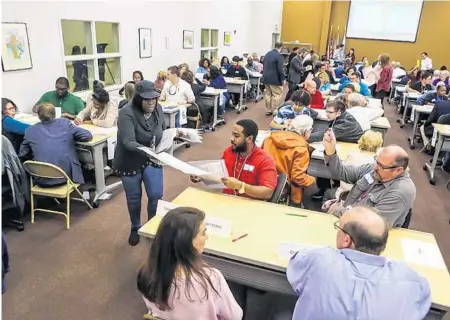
(396, 20)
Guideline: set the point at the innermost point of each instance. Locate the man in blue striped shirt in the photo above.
(353, 281)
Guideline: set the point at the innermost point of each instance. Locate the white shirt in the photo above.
(180, 94)
(426, 64)
(339, 54)
(365, 115)
(398, 72)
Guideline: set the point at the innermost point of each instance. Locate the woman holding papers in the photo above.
(175, 282)
(141, 124)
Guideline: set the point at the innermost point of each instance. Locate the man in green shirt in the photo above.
(70, 104)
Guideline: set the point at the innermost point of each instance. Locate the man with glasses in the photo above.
(384, 185)
(70, 104)
(354, 281)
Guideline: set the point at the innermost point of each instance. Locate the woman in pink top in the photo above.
(175, 281)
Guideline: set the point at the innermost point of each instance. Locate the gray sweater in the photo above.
(392, 199)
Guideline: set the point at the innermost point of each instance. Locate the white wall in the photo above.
(253, 22)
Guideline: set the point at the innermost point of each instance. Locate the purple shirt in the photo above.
(348, 284)
(436, 81)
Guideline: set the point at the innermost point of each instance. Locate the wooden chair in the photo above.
(49, 171)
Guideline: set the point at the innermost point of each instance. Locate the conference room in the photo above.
(255, 215)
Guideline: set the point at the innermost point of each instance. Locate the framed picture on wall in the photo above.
(16, 54)
(227, 38)
(188, 39)
(145, 43)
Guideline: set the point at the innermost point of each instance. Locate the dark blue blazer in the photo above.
(54, 142)
(273, 68)
(440, 109)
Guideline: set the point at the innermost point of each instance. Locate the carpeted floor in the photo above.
(89, 272)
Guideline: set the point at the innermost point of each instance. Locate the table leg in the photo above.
(258, 90)
(416, 124)
(216, 108)
(172, 117)
(405, 110)
(437, 150)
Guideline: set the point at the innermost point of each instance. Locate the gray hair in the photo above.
(356, 100)
(302, 124)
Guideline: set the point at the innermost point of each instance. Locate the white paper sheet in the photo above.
(262, 135)
(422, 253)
(216, 167)
(111, 143)
(96, 130)
(183, 115)
(319, 149)
(190, 135)
(164, 207)
(181, 165)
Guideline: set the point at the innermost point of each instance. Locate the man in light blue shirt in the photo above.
(353, 281)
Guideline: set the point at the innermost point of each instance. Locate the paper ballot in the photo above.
(319, 150)
(215, 167)
(182, 166)
(422, 253)
(190, 135)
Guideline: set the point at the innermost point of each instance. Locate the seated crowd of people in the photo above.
(370, 192)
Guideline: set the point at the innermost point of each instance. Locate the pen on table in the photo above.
(240, 237)
(296, 215)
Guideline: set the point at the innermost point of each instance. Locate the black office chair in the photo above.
(278, 192)
(407, 221)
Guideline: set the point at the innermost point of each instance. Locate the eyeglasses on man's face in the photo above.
(384, 167)
(337, 227)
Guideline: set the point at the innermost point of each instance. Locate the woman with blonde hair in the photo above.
(128, 89)
(160, 80)
(369, 143)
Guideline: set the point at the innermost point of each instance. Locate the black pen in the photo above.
(296, 215)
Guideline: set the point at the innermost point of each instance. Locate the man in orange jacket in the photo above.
(291, 153)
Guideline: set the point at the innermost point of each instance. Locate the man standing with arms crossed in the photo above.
(273, 78)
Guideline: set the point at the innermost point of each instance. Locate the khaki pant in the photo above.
(272, 97)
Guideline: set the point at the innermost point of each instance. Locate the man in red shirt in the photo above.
(251, 171)
(316, 96)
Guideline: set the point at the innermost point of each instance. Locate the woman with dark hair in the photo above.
(261, 60)
(351, 55)
(175, 282)
(137, 77)
(141, 124)
(225, 63)
(203, 66)
(13, 129)
(217, 81)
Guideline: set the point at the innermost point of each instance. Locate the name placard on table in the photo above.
(215, 226)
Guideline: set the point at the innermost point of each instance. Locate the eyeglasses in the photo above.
(337, 227)
(384, 167)
(328, 111)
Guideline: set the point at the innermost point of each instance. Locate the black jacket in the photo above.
(296, 70)
(135, 131)
(273, 68)
(237, 72)
(198, 87)
(345, 128)
(440, 109)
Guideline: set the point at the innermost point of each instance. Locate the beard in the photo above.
(377, 177)
(238, 148)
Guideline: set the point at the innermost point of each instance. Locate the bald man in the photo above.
(353, 281)
(53, 141)
(316, 96)
(384, 185)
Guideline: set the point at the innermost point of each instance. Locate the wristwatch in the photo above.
(242, 189)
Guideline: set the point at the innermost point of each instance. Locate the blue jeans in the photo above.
(153, 182)
(446, 163)
(226, 98)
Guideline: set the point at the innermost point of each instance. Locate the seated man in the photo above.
(345, 126)
(354, 281)
(316, 95)
(346, 129)
(421, 86)
(355, 77)
(252, 171)
(53, 141)
(70, 104)
(301, 101)
(290, 150)
(385, 185)
(362, 112)
(238, 72)
(100, 111)
(440, 109)
(251, 65)
(177, 92)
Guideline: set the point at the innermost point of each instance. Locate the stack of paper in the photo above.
(188, 135)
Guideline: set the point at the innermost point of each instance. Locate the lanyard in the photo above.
(243, 165)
